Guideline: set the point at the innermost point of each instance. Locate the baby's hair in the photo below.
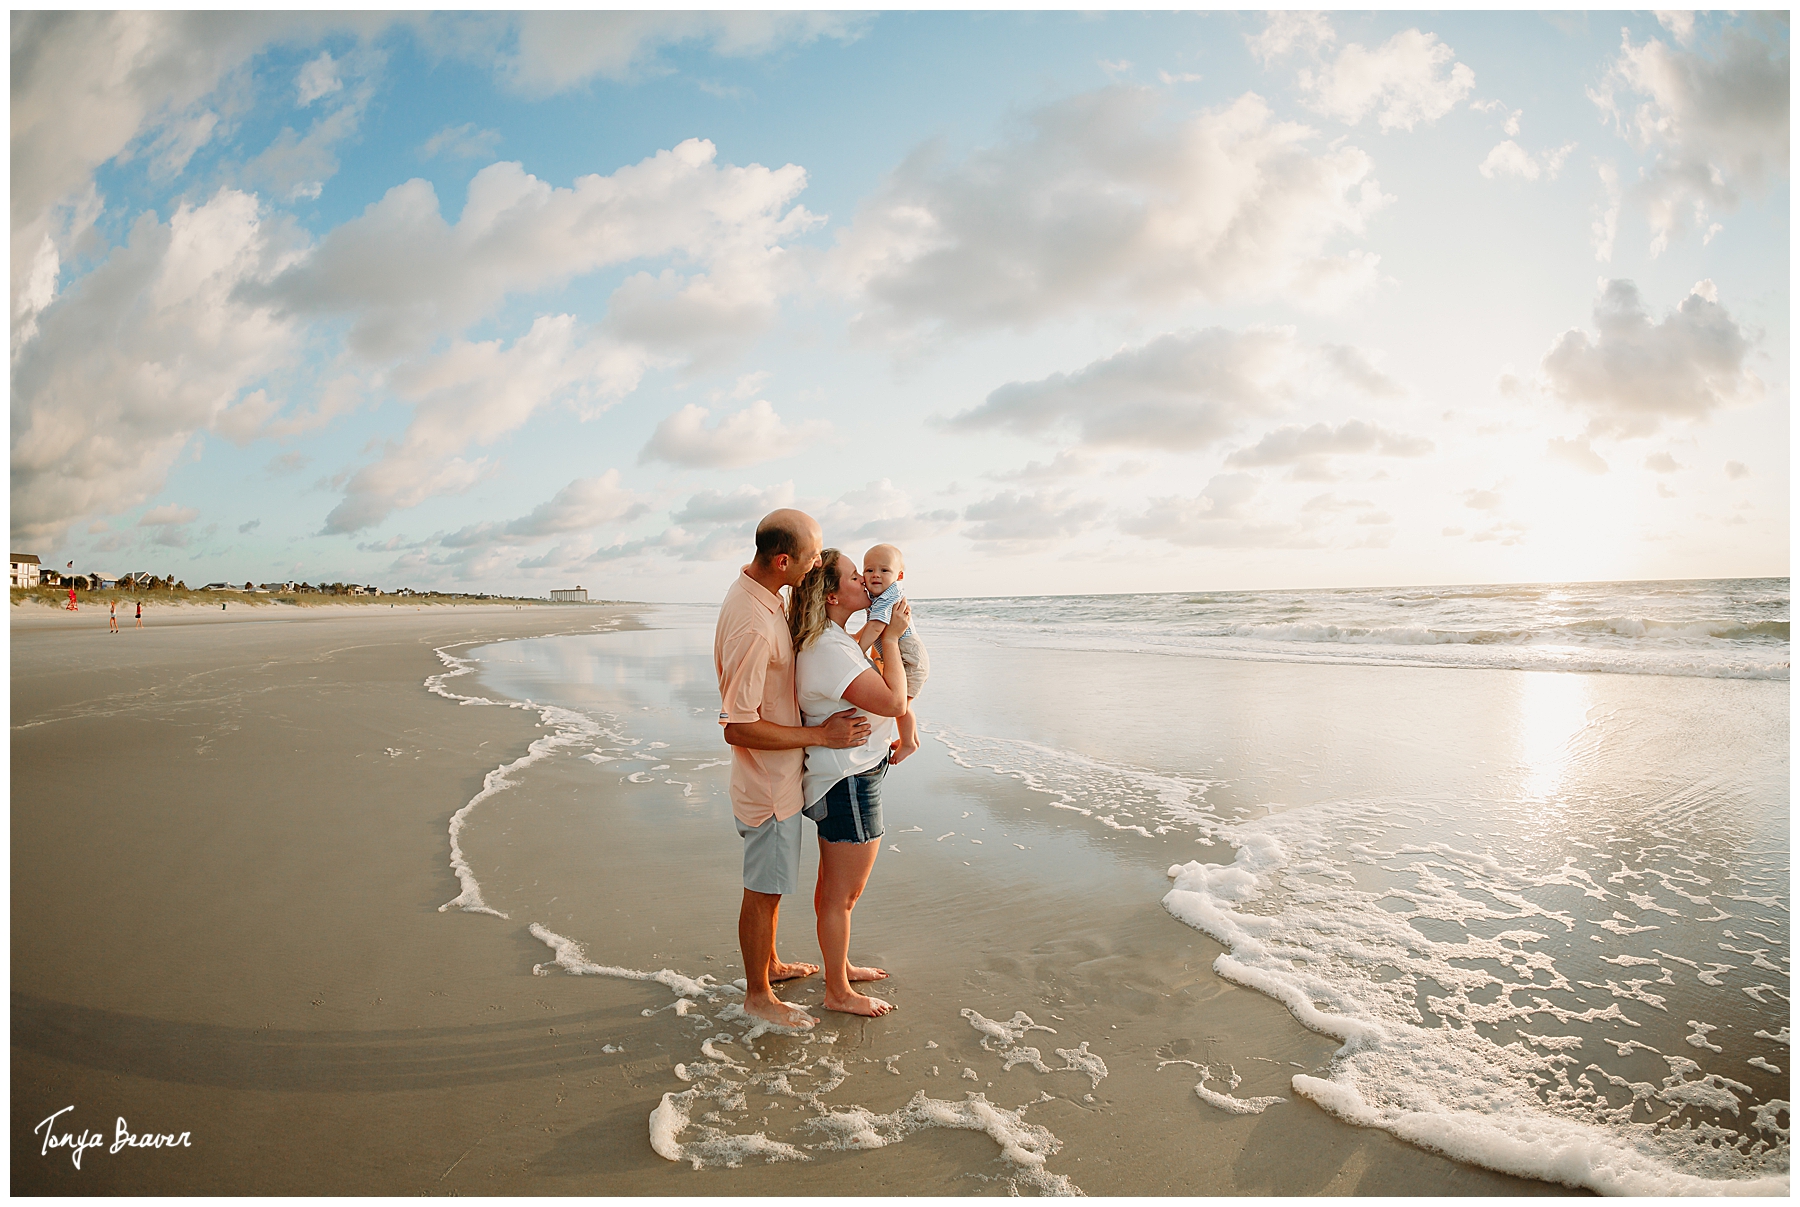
(894, 549)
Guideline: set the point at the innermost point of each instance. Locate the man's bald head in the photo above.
(791, 534)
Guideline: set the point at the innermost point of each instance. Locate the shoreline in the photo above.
(337, 1030)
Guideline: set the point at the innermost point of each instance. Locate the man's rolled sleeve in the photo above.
(745, 671)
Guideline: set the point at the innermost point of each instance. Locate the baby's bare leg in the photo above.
(909, 734)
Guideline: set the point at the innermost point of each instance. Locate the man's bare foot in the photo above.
(782, 971)
(857, 1003)
(901, 751)
(773, 1010)
(867, 974)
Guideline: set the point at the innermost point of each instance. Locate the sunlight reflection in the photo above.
(1552, 709)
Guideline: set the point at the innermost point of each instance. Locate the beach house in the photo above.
(25, 570)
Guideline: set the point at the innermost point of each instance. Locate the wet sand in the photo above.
(229, 849)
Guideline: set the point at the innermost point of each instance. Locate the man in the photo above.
(754, 657)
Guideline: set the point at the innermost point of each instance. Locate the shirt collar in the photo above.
(758, 592)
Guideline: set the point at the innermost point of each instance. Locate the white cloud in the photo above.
(318, 78)
(1577, 454)
(1181, 391)
(1293, 443)
(179, 139)
(1070, 463)
(150, 347)
(743, 503)
(91, 86)
(460, 142)
(168, 513)
(1606, 218)
(1287, 32)
(1736, 470)
(1353, 365)
(880, 511)
(1409, 79)
(406, 275)
(1635, 373)
(582, 505)
(84, 85)
(1482, 500)
(1214, 518)
(475, 393)
(1662, 463)
(1096, 201)
(1510, 159)
(1507, 533)
(1681, 24)
(555, 51)
(747, 437)
(1718, 122)
(1011, 520)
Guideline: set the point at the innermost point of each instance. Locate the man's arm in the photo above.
(840, 732)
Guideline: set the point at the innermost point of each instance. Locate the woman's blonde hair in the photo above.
(807, 614)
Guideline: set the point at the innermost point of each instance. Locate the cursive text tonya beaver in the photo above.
(123, 1137)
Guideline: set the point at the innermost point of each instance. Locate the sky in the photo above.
(1055, 302)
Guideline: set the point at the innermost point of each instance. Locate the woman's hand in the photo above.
(898, 622)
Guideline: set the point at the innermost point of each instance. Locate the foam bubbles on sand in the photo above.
(1228, 1103)
(1003, 1040)
(1370, 950)
(1495, 1000)
(705, 1123)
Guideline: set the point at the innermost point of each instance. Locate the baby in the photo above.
(883, 568)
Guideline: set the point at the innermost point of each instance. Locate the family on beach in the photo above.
(813, 727)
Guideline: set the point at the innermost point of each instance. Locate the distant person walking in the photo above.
(112, 617)
(140, 614)
(753, 654)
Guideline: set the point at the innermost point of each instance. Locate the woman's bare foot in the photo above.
(782, 971)
(773, 1010)
(857, 1003)
(867, 974)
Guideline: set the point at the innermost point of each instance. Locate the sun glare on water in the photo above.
(1553, 708)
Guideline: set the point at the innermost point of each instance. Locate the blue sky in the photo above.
(1056, 302)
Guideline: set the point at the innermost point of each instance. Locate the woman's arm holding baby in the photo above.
(883, 692)
(869, 634)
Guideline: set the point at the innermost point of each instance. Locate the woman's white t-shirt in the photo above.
(822, 671)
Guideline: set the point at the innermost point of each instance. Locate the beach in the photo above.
(234, 839)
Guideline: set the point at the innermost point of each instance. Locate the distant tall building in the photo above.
(25, 570)
(576, 596)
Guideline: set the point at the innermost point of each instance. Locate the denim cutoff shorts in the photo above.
(850, 810)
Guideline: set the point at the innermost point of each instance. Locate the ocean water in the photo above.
(1521, 853)
(1729, 628)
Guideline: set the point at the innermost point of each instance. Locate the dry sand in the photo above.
(229, 848)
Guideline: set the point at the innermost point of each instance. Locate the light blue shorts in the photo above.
(771, 855)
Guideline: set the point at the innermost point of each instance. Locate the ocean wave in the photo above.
(1727, 629)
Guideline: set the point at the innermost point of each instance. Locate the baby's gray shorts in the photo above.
(916, 662)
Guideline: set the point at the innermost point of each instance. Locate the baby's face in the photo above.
(880, 572)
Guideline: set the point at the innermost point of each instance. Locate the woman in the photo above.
(842, 788)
